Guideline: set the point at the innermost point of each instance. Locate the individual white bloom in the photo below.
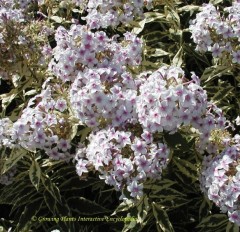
(237, 121)
(81, 167)
(135, 189)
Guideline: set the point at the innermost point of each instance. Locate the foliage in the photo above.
(41, 190)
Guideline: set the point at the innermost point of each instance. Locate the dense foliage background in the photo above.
(42, 187)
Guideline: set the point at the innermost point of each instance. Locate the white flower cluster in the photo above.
(8, 12)
(125, 113)
(79, 48)
(42, 125)
(101, 95)
(213, 32)
(166, 101)
(123, 159)
(104, 13)
(220, 181)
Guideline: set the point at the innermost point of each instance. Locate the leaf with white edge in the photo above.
(15, 156)
(215, 72)
(124, 206)
(75, 183)
(222, 93)
(30, 92)
(84, 206)
(7, 98)
(188, 8)
(142, 209)
(172, 16)
(24, 199)
(213, 221)
(140, 27)
(130, 225)
(169, 192)
(215, 2)
(159, 53)
(178, 58)
(57, 19)
(51, 188)
(162, 219)
(186, 168)
(160, 185)
(205, 208)
(49, 201)
(35, 174)
(30, 210)
(154, 17)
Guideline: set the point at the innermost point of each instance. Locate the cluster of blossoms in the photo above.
(102, 14)
(8, 11)
(8, 177)
(217, 33)
(102, 96)
(167, 101)
(79, 48)
(22, 40)
(42, 125)
(220, 180)
(105, 13)
(152, 102)
(8, 15)
(123, 159)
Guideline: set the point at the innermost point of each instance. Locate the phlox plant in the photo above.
(117, 110)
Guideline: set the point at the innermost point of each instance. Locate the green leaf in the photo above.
(178, 58)
(23, 199)
(189, 8)
(142, 209)
(204, 209)
(186, 168)
(214, 221)
(159, 185)
(124, 206)
(215, 2)
(75, 183)
(10, 192)
(140, 26)
(63, 210)
(214, 72)
(30, 210)
(84, 133)
(49, 201)
(162, 219)
(51, 188)
(154, 17)
(222, 93)
(172, 16)
(15, 156)
(57, 19)
(85, 207)
(7, 98)
(199, 57)
(231, 227)
(35, 174)
(159, 53)
(177, 140)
